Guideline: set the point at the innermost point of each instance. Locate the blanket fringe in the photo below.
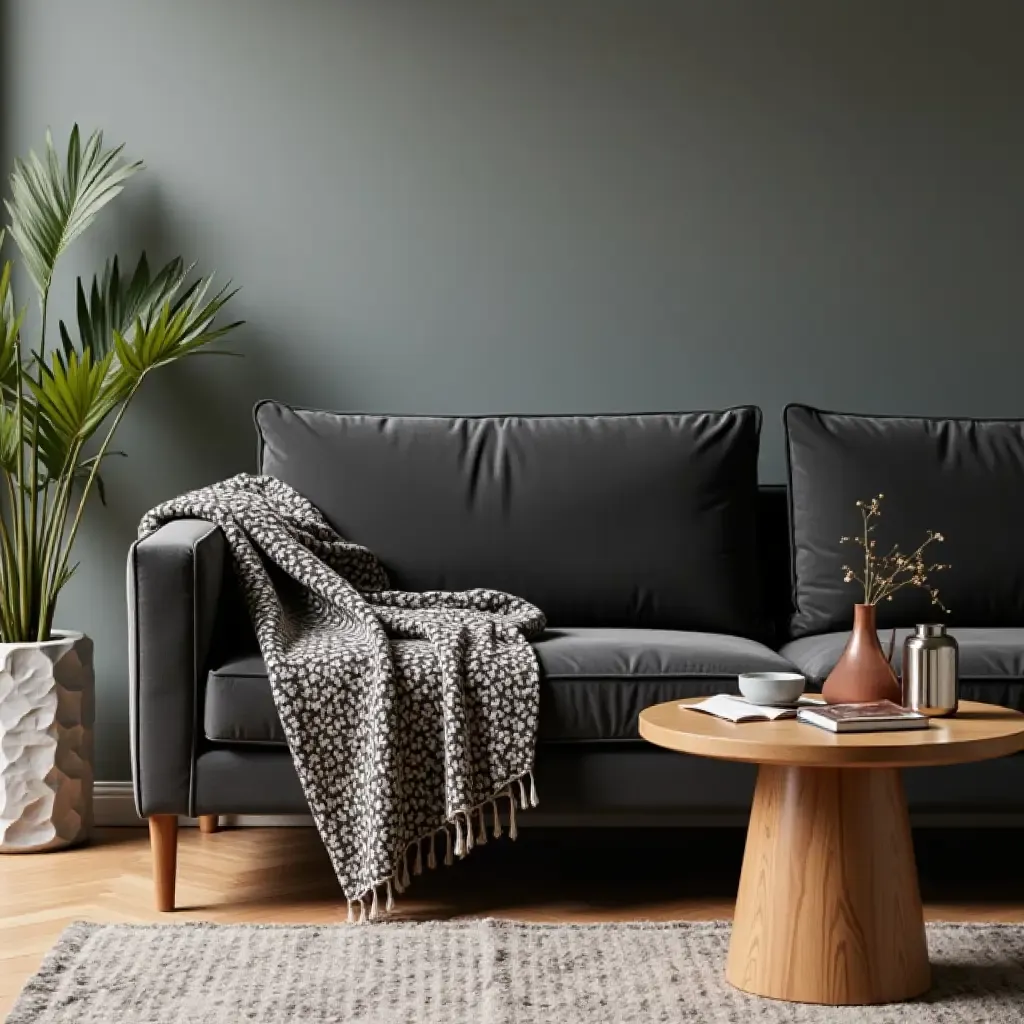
(470, 829)
(406, 880)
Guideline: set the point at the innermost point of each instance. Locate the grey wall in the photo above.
(567, 206)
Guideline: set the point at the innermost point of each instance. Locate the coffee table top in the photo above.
(977, 732)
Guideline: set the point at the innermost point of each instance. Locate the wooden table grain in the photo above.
(829, 908)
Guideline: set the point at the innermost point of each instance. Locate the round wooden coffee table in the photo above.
(829, 909)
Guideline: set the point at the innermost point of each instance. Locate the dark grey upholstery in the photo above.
(580, 781)
(961, 477)
(175, 582)
(205, 734)
(239, 705)
(599, 520)
(610, 781)
(991, 661)
(595, 682)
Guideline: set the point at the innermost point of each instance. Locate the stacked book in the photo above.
(879, 716)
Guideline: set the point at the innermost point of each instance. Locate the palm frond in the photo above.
(51, 204)
(73, 400)
(7, 305)
(10, 446)
(54, 399)
(10, 326)
(178, 331)
(114, 302)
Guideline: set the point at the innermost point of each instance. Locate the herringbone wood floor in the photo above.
(282, 875)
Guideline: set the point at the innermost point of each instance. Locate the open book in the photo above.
(739, 709)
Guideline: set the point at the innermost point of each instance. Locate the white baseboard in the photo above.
(114, 806)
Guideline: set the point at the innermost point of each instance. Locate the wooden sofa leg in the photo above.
(163, 840)
(209, 823)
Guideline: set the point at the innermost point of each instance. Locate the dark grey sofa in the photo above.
(662, 566)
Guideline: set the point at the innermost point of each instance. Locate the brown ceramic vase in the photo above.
(863, 673)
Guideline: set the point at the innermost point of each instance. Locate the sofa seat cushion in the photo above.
(991, 661)
(594, 682)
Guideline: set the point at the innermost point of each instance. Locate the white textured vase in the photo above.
(47, 708)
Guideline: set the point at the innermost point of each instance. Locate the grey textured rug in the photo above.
(485, 972)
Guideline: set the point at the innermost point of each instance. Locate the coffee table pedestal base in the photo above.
(829, 909)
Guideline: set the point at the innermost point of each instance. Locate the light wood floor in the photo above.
(282, 875)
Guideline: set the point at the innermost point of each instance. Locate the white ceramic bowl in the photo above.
(771, 687)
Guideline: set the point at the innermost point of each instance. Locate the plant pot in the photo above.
(47, 707)
(863, 673)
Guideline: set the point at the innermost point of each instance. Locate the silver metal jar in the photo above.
(931, 671)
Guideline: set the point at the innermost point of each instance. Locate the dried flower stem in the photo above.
(885, 575)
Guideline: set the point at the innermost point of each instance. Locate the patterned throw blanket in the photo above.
(408, 715)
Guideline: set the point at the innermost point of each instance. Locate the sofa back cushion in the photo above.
(775, 564)
(645, 520)
(961, 477)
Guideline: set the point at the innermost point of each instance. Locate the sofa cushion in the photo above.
(963, 478)
(594, 682)
(991, 661)
(646, 520)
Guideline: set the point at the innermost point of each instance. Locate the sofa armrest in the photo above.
(175, 584)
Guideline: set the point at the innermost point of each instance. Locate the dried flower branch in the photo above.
(886, 574)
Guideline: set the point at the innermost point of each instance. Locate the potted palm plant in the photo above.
(61, 403)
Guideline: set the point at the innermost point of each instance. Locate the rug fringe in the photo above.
(468, 833)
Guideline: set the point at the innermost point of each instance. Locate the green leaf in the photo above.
(9, 440)
(84, 469)
(114, 302)
(73, 398)
(63, 575)
(10, 326)
(178, 330)
(51, 206)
